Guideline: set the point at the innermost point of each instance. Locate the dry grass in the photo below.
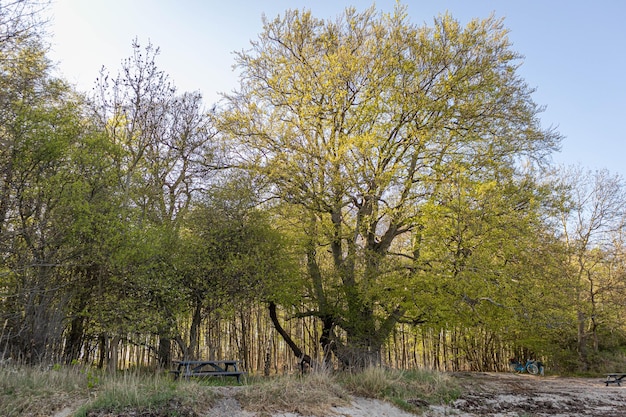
(35, 392)
(156, 393)
(38, 392)
(312, 394)
(32, 392)
(406, 389)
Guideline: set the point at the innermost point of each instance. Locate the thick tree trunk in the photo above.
(165, 352)
(327, 339)
(102, 341)
(194, 331)
(74, 341)
(113, 355)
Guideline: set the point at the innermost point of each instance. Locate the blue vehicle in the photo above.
(531, 366)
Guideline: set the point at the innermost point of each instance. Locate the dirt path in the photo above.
(517, 395)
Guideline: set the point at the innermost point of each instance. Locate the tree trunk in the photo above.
(74, 340)
(194, 331)
(303, 359)
(113, 354)
(582, 340)
(165, 352)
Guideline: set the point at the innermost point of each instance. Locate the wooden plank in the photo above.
(236, 374)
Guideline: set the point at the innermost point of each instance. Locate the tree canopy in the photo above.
(364, 122)
(373, 191)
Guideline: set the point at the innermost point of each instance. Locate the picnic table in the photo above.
(201, 368)
(615, 378)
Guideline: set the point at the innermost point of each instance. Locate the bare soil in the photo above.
(517, 395)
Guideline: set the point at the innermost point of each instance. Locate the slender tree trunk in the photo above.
(582, 339)
(267, 365)
(303, 359)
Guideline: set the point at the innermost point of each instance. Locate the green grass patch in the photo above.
(148, 393)
(28, 390)
(31, 390)
(408, 390)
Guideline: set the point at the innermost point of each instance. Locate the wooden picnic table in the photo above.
(202, 368)
(615, 378)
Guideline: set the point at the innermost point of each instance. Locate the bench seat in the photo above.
(236, 374)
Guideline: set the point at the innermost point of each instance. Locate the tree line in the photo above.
(372, 192)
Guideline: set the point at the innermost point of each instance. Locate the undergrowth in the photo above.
(408, 390)
(311, 394)
(39, 392)
(153, 393)
(26, 391)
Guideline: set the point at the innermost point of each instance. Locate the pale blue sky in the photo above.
(575, 52)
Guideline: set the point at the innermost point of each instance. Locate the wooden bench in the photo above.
(614, 378)
(188, 369)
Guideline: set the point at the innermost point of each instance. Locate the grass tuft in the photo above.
(36, 392)
(148, 393)
(408, 390)
(312, 394)
(26, 391)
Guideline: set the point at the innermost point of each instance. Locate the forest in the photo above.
(373, 192)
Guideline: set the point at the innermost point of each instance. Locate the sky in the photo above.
(574, 52)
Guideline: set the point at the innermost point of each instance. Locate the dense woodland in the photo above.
(372, 192)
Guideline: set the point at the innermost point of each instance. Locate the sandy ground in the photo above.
(492, 394)
(517, 395)
(486, 394)
(360, 407)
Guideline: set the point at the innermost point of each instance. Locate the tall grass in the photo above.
(42, 392)
(148, 393)
(310, 395)
(406, 389)
(27, 391)
(35, 392)
(316, 393)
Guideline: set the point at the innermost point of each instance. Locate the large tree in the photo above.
(165, 151)
(359, 121)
